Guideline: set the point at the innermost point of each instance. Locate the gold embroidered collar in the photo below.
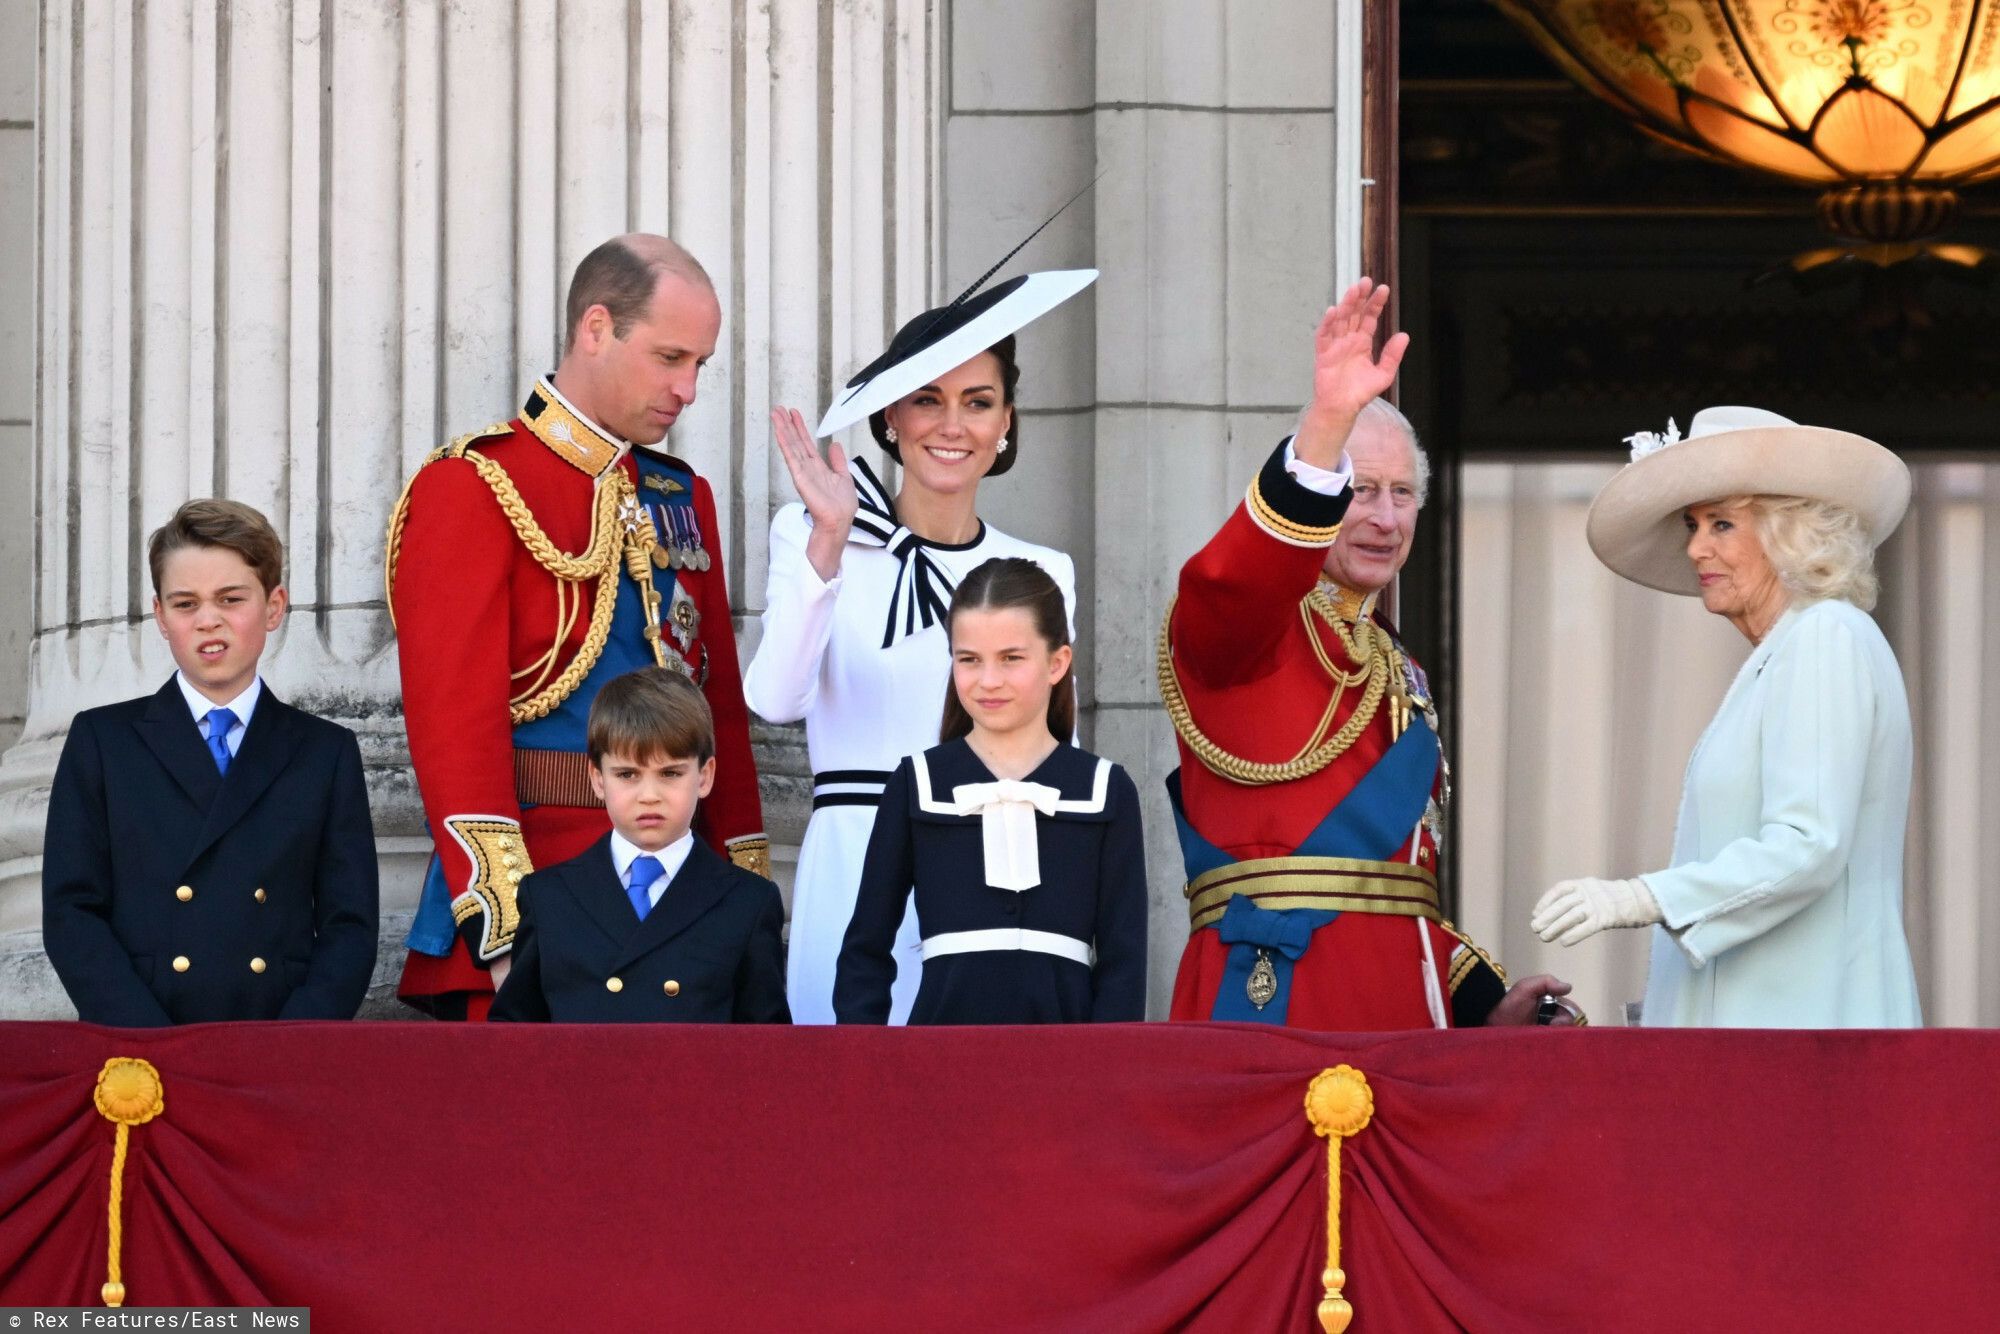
(571, 436)
(1349, 605)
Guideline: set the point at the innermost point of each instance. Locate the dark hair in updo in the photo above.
(1010, 377)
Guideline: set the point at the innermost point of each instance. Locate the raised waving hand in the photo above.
(1347, 371)
(824, 484)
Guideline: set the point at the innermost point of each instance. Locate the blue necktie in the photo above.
(219, 723)
(645, 870)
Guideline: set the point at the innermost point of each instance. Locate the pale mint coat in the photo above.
(1784, 906)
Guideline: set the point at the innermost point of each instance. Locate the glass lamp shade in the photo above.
(1890, 105)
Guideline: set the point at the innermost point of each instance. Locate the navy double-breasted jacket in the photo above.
(709, 952)
(174, 894)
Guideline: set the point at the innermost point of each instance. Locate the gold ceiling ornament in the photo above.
(1339, 1103)
(1889, 105)
(128, 1094)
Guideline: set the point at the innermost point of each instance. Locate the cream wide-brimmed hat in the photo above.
(1636, 525)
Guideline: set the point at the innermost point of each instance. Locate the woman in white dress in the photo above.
(1784, 904)
(854, 638)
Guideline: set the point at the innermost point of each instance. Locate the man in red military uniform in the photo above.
(1311, 793)
(531, 562)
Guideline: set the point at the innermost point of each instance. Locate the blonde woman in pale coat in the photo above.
(1784, 904)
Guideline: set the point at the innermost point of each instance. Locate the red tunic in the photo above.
(477, 621)
(1255, 686)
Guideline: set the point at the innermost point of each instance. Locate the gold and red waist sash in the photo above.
(1326, 884)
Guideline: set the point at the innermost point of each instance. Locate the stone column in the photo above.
(286, 248)
(18, 112)
(1241, 123)
(1228, 216)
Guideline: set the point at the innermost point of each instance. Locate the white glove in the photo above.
(1576, 910)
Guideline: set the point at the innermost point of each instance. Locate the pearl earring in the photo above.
(1001, 448)
(889, 434)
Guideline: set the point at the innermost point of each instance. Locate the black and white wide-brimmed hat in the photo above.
(1636, 526)
(947, 337)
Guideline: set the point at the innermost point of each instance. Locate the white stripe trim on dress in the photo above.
(863, 789)
(1008, 938)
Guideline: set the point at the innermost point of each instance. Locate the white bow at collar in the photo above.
(1006, 811)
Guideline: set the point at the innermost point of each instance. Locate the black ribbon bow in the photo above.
(922, 595)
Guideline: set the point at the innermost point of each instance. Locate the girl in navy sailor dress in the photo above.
(1025, 853)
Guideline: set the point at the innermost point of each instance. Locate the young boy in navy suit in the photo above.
(209, 853)
(648, 924)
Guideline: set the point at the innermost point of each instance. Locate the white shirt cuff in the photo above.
(1316, 479)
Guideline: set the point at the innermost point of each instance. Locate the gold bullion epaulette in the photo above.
(456, 449)
(392, 545)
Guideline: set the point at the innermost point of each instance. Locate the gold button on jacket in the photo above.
(180, 963)
(614, 984)
(260, 896)
(184, 893)
(672, 988)
(256, 965)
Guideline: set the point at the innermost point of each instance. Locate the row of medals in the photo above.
(679, 558)
(677, 548)
(682, 617)
(678, 538)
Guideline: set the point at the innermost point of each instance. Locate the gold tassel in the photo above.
(642, 539)
(128, 1094)
(1339, 1103)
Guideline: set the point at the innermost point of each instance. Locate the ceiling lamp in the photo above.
(1888, 104)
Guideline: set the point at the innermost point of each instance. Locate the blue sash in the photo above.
(1370, 823)
(1281, 936)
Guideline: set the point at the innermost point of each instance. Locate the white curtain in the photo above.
(1581, 696)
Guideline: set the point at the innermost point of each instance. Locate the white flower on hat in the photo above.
(1652, 442)
(1636, 524)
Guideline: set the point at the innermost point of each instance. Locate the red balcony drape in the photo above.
(1132, 1177)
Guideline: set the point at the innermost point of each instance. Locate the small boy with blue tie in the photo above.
(209, 852)
(648, 924)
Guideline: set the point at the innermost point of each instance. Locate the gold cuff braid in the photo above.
(1463, 968)
(1289, 531)
(752, 853)
(499, 864)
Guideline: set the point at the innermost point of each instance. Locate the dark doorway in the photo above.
(1568, 281)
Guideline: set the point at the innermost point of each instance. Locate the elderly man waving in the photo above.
(1311, 794)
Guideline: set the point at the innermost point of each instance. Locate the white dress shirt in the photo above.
(242, 706)
(1315, 478)
(671, 858)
